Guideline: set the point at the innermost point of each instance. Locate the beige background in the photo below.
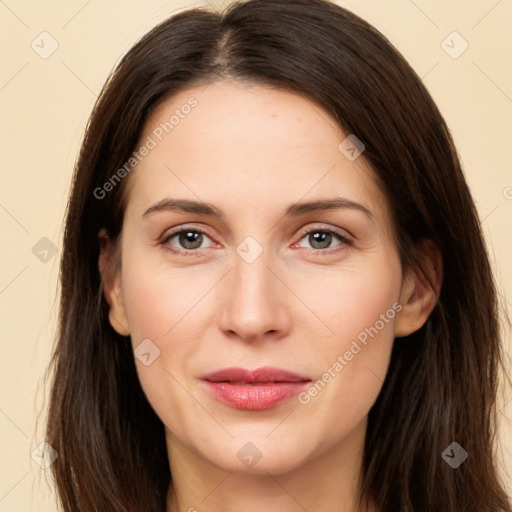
(45, 104)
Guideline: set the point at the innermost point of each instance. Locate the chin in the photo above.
(259, 456)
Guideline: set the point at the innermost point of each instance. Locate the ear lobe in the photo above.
(420, 292)
(110, 273)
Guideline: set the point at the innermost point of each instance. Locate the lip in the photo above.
(262, 388)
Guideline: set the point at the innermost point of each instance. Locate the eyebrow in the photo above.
(293, 210)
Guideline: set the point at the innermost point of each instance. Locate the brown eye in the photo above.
(190, 239)
(321, 240)
(187, 241)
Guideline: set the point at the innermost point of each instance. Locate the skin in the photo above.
(252, 151)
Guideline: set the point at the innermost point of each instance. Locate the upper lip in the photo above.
(259, 375)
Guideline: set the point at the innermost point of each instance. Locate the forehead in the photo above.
(247, 146)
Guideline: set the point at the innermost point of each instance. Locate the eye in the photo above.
(191, 240)
(322, 238)
(187, 238)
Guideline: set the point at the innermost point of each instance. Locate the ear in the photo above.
(110, 272)
(420, 292)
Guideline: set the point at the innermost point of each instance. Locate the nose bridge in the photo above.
(254, 301)
(253, 278)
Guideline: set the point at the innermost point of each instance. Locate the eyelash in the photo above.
(345, 241)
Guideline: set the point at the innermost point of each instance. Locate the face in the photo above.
(252, 278)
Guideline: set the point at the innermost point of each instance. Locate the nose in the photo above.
(253, 304)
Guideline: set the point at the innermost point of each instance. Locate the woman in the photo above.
(275, 291)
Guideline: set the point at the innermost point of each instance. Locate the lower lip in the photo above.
(254, 397)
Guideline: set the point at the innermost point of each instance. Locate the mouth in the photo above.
(254, 390)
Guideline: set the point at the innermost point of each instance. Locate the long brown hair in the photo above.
(442, 381)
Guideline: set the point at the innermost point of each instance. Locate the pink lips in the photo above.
(254, 390)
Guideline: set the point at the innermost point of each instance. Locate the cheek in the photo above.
(350, 299)
(360, 308)
(160, 301)
(163, 307)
